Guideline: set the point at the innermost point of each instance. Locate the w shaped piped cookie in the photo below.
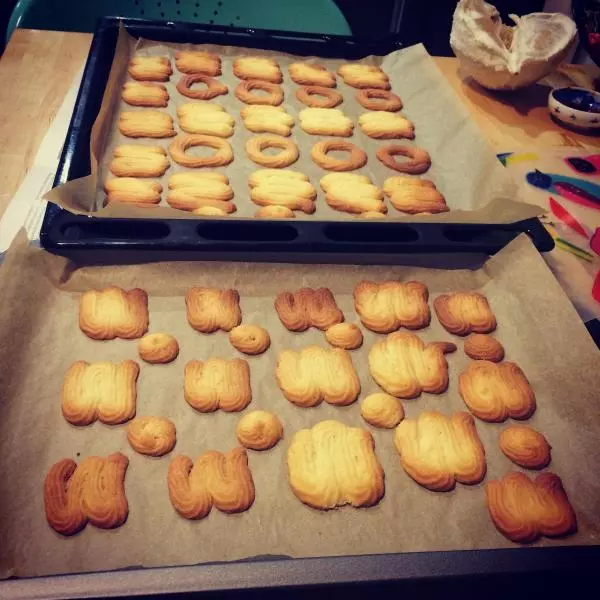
(206, 118)
(462, 313)
(112, 312)
(413, 195)
(308, 307)
(215, 479)
(267, 119)
(495, 392)
(192, 191)
(325, 121)
(313, 374)
(382, 125)
(387, 306)
(524, 510)
(150, 68)
(332, 465)
(352, 193)
(255, 67)
(146, 123)
(311, 74)
(285, 188)
(217, 384)
(364, 76)
(102, 390)
(136, 160)
(90, 492)
(437, 451)
(404, 366)
(210, 309)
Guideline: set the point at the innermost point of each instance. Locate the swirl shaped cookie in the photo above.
(206, 118)
(158, 348)
(316, 96)
(332, 465)
(314, 374)
(382, 410)
(222, 480)
(404, 366)
(325, 121)
(150, 68)
(357, 158)
(462, 313)
(179, 146)
(136, 160)
(283, 188)
(352, 193)
(387, 306)
(256, 146)
(480, 346)
(152, 436)
(246, 92)
(413, 195)
(364, 76)
(379, 100)
(205, 189)
(211, 309)
(215, 384)
(523, 510)
(142, 93)
(192, 61)
(344, 335)
(267, 119)
(112, 312)
(308, 307)
(213, 87)
(418, 160)
(525, 446)
(495, 392)
(255, 67)
(250, 339)
(146, 123)
(259, 430)
(91, 492)
(438, 451)
(382, 125)
(304, 73)
(132, 190)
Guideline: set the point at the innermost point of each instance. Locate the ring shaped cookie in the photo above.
(316, 96)
(255, 147)
(222, 156)
(243, 92)
(356, 160)
(379, 100)
(213, 87)
(418, 161)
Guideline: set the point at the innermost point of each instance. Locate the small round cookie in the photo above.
(382, 410)
(259, 430)
(256, 145)
(418, 161)
(178, 147)
(158, 348)
(213, 87)
(275, 211)
(209, 211)
(152, 436)
(379, 100)
(480, 346)
(356, 160)
(244, 92)
(344, 335)
(250, 339)
(316, 96)
(525, 446)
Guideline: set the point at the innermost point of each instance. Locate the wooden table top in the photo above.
(38, 68)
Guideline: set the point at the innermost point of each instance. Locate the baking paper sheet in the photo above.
(38, 321)
(464, 166)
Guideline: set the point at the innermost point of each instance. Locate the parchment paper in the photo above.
(38, 321)
(464, 166)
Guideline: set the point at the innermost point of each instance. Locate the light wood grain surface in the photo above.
(38, 67)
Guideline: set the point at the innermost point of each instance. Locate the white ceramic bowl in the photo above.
(576, 107)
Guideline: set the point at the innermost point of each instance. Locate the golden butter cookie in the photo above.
(158, 348)
(259, 430)
(132, 190)
(418, 161)
(357, 158)
(250, 339)
(404, 366)
(91, 492)
(352, 193)
(206, 118)
(319, 97)
(255, 67)
(382, 410)
(146, 123)
(325, 121)
(136, 160)
(288, 189)
(438, 451)
(382, 125)
(274, 211)
(524, 510)
(364, 76)
(141, 93)
(308, 307)
(113, 312)
(179, 146)
(267, 119)
(210, 211)
(462, 313)
(344, 335)
(256, 146)
(304, 73)
(313, 374)
(525, 446)
(215, 384)
(495, 392)
(379, 100)
(150, 68)
(371, 214)
(211, 309)
(246, 92)
(387, 306)
(332, 465)
(192, 61)
(413, 195)
(152, 436)
(222, 480)
(191, 191)
(391, 184)
(100, 391)
(480, 346)
(213, 87)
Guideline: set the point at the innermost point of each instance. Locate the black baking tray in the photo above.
(89, 239)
